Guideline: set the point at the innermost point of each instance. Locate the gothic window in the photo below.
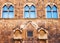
(32, 12)
(8, 11)
(48, 10)
(26, 11)
(54, 12)
(51, 12)
(29, 11)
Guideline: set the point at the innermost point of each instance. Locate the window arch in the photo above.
(26, 11)
(29, 11)
(32, 12)
(51, 11)
(8, 11)
(54, 11)
(48, 10)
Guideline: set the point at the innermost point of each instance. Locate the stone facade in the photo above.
(9, 26)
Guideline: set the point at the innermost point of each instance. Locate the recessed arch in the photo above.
(17, 34)
(43, 30)
(43, 35)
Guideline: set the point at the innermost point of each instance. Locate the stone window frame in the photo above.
(27, 34)
(51, 5)
(29, 4)
(7, 3)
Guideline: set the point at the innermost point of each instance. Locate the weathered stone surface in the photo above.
(7, 26)
(51, 25)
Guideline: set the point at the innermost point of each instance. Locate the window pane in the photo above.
(48, 8)
(32, 8)
(49, 14)
(26, 14)
(54, 15)
(26, 8)
(11, 8)
(30, 33)
(5, 15)
(32, 15)
(11, 14)
(54, 8)
(5, 8)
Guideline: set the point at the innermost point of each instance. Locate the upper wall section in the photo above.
(39, 4)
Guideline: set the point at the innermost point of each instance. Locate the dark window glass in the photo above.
(30, 33)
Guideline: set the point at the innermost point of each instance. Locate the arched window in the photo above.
(32, 12)
(8, 11)
(48, 10)
(54, 12)
(29, 11)
(51, 12)
(26, 11)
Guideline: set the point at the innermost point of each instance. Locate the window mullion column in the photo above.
(8, 12)
(29, 12)
(51, 13)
